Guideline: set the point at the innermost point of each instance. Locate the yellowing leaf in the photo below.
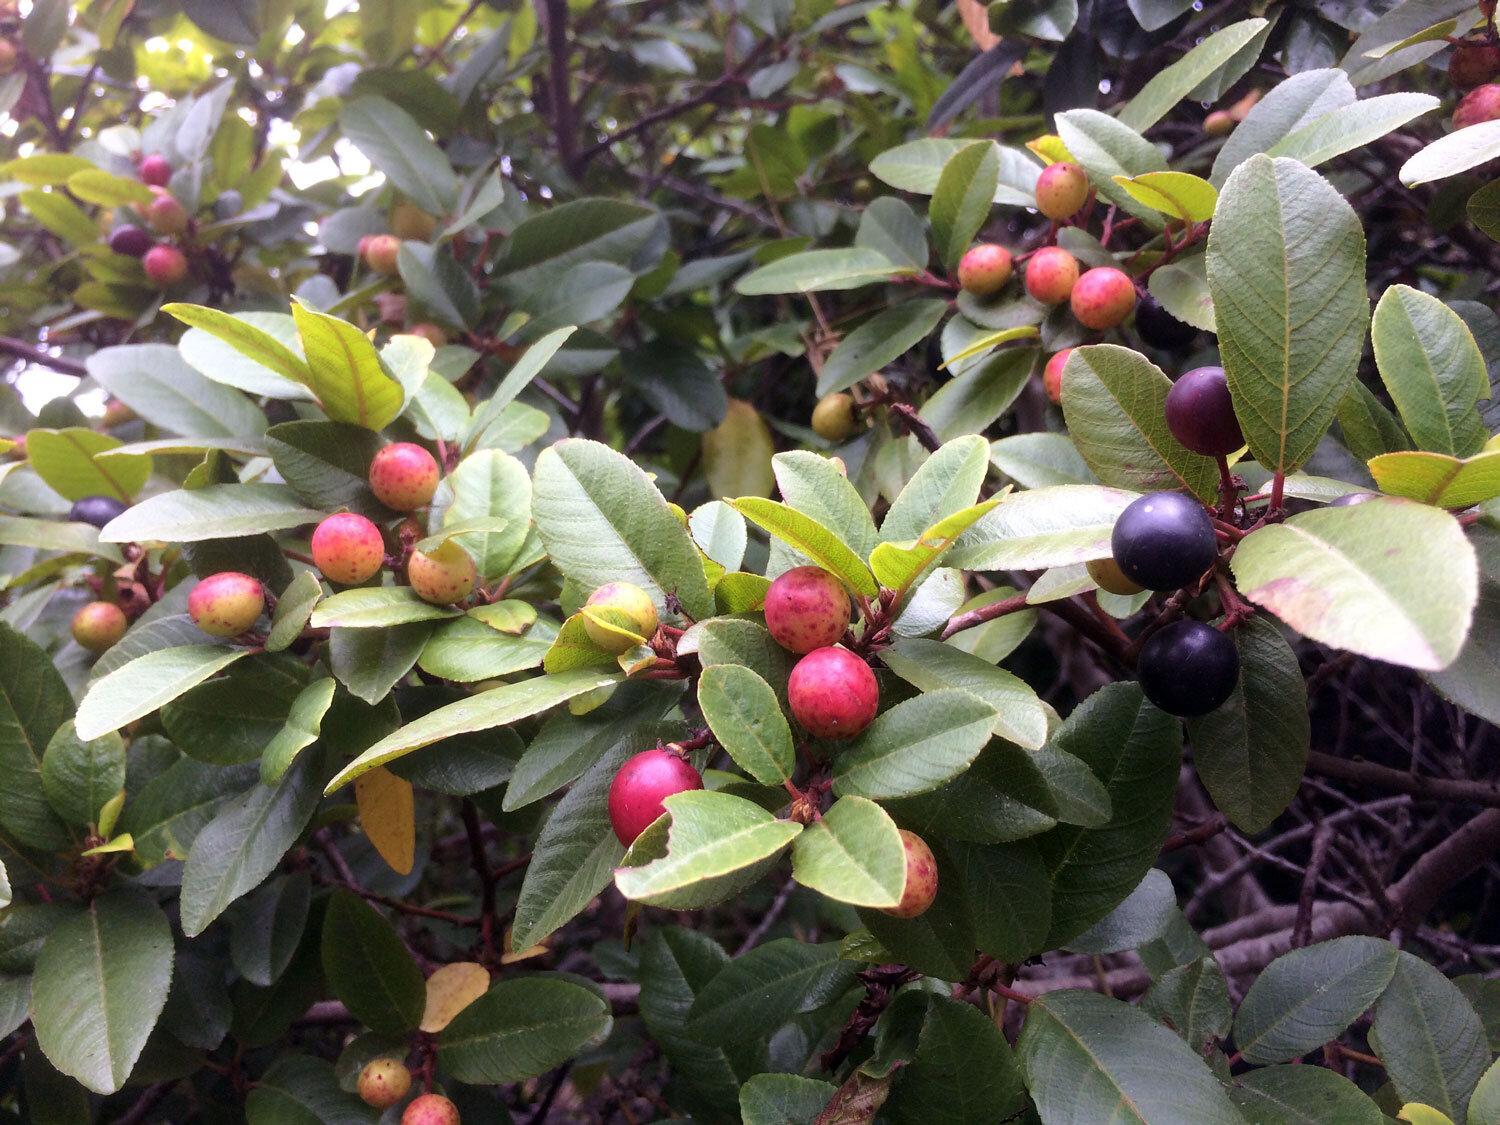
(1178, 194)
(1050, 148)
(737, 454)
(450, 990)
(387, 813)
(121, 843)
(1419, 1114)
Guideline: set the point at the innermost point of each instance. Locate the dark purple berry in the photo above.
(97, 510)
(131, 241)
(1200, 413)
(1159, 328)
(1188, 668)
(1164, 541)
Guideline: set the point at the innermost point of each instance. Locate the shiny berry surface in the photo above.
(403, 476)
(156, 170)
(1051, 274)
(1102, 298)
(1200, 413)
(833, 693)
(1163, 541)
(1052, 375)
(130, 240)
(921, 878)
(984, 269)
(1188, 668)
(98, 625)
(226, 604)
(807, 608)
(444, 575)
(347, 548)
(644, 781)
(97, 510)
(1061, 190)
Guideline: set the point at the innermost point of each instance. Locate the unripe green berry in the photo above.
(833, 417)
(384, 1082)
(99, 625)
(627, 608)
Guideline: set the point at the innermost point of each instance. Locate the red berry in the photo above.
(625, 607)
(807, 608)
(1061, 190)
(1473, 65)
(403, 476)
(156, 170)
(166, 215)
(1051, 274)
(984, 269)
(380, 254)
(921, 878)
(384, 1082)
(1218, 124)
(430, 1109)
(833, 693)
(444, 575)
(1200, 413)
(1052, 375)
(98, 625)
(637, 792)
(165, 266)
(1103, 297)
(347, 548)
(226, 604)
(1478, 105)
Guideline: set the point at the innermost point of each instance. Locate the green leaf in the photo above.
(368, 966)
(1307, 997)
(961, 200)
(900, 566)
(1361, 578)
(254, 351)
(61, 216)
(915, 746)
(1287, 107)
(1429, 1037)
(963, 1071)
(231, 719)
(66, 460)
(1135, 751)
(345, 372)
(717, 845)
(100, 983)
(890, 227)
(246, 842)
(932, 665)
(1106, 148)
(370, 662)
(522, 1028)
(1433, 370)
(34, 705)
(44, 169)
(676, 965)
(813, 485)
(1251, 750)
(1059, 525)
(946, 483)
(783, 1099)
(1193, 999)
(397, 146)
(143, 685)
(80, 777)
(546, 245)
(492, 485)
(817, 542)
(1182, 289)
(853, 854)
(720, 533)
(1037, 460)
(1090, 1058)
(1142, 917)
(1303, 1095)
(1485, 1104)
(497, 707)
(1484, 209)
(159, 385)
(327, 464)
(376, 606)
(1449, 155)
(435, 281)
(760, 990)
(603, 520)
(268, 926)
(813, 271)
(1286, 266)
(303, 723)
(245, 337)
(1369, 428)
(917, 166)
(166, 816)
(879, 342)
(299, 1090)
(1170, 86)
(293, 608)
(1438, 479)
(1350, 127)
(742, 711)
(1183, 196)
(1114, 400)
(215, 511)
(468, 648)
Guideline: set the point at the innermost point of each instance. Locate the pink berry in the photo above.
(430, 1109)
(98, 625)
(166, 215)
(921, 878)
(347, 548)
(1052, 375)
(383, 1082)
(165, 266)
(637, 792)
(443, 575)
(807, 608)
(381, 253)
(226, 604)
(1478, 105)
(984, 269)
(624, 606)
(1103, 297)
(1061, 190)
(833, 693)
(1051, 275)
(156, 170)
(403, 476)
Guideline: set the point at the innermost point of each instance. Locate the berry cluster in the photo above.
(385, 1081)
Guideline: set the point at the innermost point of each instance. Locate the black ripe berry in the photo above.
(130, 240)
(1200, 413)
(97, 510)
(1164, 541)
(1159, 328)
(1188, 668)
